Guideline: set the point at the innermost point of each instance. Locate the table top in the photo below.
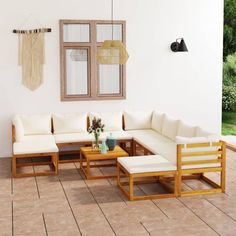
(90, 154)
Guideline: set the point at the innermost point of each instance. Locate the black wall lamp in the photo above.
(179, 46)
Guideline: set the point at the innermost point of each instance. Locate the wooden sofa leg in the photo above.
(179, 183)
(13, 166)
(222, 181)
(176, 192)
(55, 158)
(131, 188)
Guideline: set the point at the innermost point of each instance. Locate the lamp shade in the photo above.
(182, 46)
(112, 52)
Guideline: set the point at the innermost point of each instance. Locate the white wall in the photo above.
(186, 85)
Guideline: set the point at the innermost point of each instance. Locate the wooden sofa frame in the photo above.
(122, 172)
(55, 157)
(196, 173)
(53, 163)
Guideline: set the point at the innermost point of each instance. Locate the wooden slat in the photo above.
(201, 170)
(202, 191)
(157, 173)
(196, 145)
(154, 196)
(201, 162)
(205, 153)
(209, 181)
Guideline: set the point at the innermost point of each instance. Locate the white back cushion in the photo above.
(19, 129)
(157, 121)
(186, 130)
(111, 120)
(188, 140)
(169, 127)
(137, 120)
(36, 124)
(69, 123)
(201, 132)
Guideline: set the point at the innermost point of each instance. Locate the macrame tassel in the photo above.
(31, 58)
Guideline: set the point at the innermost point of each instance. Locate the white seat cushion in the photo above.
(186, 130)
(137, 120)
(118, 135)
(157, 121)
(156, 143)
(69, 123)
(169, 127)
(36, 124)
(111, 120)
(85, 137)
(33, 144)
(145, 164)
(73, 138)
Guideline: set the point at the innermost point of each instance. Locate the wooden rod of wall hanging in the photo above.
(33, 31)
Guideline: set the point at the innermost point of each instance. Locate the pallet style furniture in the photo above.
(31, 147)
(143, 166)
(195, 159)
(193, 150)
(88, 155)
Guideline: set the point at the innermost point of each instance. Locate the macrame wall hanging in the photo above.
(31, 56)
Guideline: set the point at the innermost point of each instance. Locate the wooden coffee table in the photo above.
(87, 155)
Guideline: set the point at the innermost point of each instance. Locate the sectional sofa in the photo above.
(193, 150)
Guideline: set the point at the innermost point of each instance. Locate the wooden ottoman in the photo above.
(145, 166)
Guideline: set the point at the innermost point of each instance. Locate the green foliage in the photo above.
(229, 98)
(228, 129)
(230, 70)
(229, 84)
(229, 123)
(229, 27)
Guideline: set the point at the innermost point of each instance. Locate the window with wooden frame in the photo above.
(82, 78)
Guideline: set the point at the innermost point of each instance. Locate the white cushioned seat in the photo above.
(137, 120)
(169, 127)
(36, 124)
(145, 164)
(19, 129)
(156, 143)
(118, 135)
(157, 121)
(69, 123)
(85, 137)
(111, 120)
(32, 144)
(73, 137)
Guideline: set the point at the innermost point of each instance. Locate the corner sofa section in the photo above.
(193, 150)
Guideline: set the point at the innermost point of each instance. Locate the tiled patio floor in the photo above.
(68, 205)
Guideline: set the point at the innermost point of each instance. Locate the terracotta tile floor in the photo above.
(69, 205)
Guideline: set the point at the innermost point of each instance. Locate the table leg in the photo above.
(81, 160)
(88, 169)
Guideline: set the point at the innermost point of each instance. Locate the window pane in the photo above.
(77, 71)
(76, 33)
(109, 79)
(104, 32)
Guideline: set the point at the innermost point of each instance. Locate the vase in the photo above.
(111, 142)
(96, 143)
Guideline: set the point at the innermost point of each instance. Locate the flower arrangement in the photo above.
(96, 129)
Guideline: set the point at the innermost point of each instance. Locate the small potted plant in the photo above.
(96, 129)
